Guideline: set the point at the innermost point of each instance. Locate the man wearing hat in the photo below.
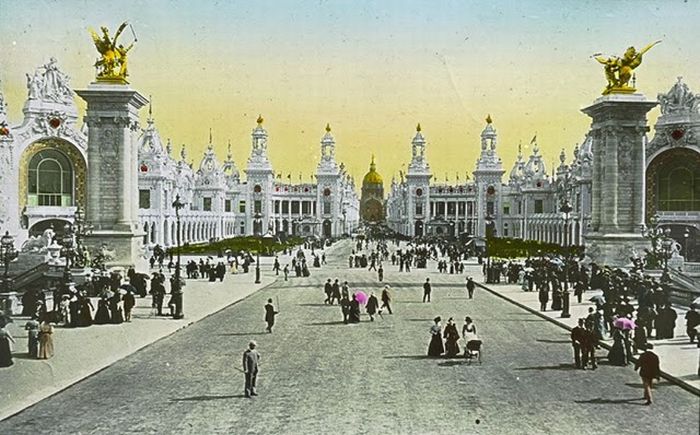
(648, 365)
(251, 359)
(470, 287)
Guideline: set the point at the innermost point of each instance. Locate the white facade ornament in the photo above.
(679, 100)
(49, 84)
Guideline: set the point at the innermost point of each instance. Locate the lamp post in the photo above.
(668, 246)
(7, 254)
(67, 242)
(566, 209)
(257, 263)
(176, 285)
(487, 234)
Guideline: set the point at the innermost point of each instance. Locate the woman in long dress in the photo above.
(617, 355)
(32, 327)
(116, 308)
(5, 347)
(435, 348)
(354, 310)
(85, 311)
(45, 340)
(102, 316)
(451, 339)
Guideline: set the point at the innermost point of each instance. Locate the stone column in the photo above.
(112, 205)
(618, 130)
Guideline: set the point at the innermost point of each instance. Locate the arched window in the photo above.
(679, 189)
(50, 180)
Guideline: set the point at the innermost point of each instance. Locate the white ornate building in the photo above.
(527, 204)
(43, 167)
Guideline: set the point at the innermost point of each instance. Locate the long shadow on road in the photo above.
(207, 398)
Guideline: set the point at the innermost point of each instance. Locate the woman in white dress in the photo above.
(469, 330)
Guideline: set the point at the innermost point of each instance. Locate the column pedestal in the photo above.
(618, 132)
(112, 182)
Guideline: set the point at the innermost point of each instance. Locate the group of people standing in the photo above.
(451, 337)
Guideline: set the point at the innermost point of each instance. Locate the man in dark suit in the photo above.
(648, 365)
(578, 338)
(251, 359)
(427, 289)
(470, 287)
(328, 289)
(270, 314)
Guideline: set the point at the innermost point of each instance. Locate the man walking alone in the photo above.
(251, 359)
(470, 287)
(427, 289)
(270, 314)
(648, 365)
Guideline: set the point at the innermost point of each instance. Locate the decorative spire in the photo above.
(150, 106)
(228, 149)
(260, 120)
(183, 153)
(168, 147)
(520, 149)
(418, 129)
(488, 119)
(328, 127)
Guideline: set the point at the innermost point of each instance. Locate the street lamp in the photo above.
(566, 209)
(67, 243)
(7, 254)
(668, 247)
(487, 233)
(257, 263)
(176, 285)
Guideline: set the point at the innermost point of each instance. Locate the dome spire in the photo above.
(418, 129)
(260, 120)
(488, 119)
(328, 127)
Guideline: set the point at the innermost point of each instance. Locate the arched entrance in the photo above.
(418, 229)
(673, 182)
(327, 229)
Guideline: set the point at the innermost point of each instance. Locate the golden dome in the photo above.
(372, 177)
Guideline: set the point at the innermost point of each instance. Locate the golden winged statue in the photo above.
(618, 70)
(112, 65)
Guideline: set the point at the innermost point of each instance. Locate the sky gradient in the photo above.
(372, 69)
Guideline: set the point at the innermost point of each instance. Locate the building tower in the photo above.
(259, 178)
(329, 197)
(372, 200)
(418, 186)
(487, 177)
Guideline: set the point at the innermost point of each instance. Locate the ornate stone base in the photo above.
(615, 250)
(123, 249)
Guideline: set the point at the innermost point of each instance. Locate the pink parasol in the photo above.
(624, 323)
(361, 297)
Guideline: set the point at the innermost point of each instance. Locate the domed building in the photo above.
(372, 200)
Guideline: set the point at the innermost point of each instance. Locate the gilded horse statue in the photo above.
(618, 70)
(112, 65)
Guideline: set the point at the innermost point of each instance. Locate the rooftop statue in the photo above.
(618, 70)
(112, 66)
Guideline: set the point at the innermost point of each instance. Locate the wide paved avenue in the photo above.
(319, 375)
